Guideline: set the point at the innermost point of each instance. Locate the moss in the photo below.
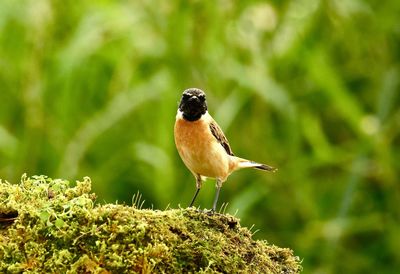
(48, 226)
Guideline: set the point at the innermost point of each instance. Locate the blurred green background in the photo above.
(91, 88)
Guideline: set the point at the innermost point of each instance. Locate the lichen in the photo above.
(49, 226)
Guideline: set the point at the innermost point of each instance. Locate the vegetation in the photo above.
(54, 228)
(311, 87)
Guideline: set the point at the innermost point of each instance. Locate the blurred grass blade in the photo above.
(325, 76)
(120, 106)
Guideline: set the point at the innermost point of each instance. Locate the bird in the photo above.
(202, 145)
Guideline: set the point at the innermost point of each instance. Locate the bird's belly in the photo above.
(206, 162)
(200, 151)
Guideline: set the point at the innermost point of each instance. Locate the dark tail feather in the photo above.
(265, 167)
(246, 163)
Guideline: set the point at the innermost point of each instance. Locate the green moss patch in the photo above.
(48, 226)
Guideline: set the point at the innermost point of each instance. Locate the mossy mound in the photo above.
(47, 226)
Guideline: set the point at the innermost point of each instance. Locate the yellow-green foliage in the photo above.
(48, 226)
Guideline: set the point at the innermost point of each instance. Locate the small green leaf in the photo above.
(44, 216)
(59, 223)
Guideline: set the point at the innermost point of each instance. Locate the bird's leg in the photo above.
(194, 197)
(218, 185)
(199, 182)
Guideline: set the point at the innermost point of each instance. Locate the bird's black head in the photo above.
(193, 104)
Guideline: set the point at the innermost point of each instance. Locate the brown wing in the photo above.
(219, 135)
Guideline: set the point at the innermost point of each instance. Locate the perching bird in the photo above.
(203, 146)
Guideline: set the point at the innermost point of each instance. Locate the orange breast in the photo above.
(199, 149)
